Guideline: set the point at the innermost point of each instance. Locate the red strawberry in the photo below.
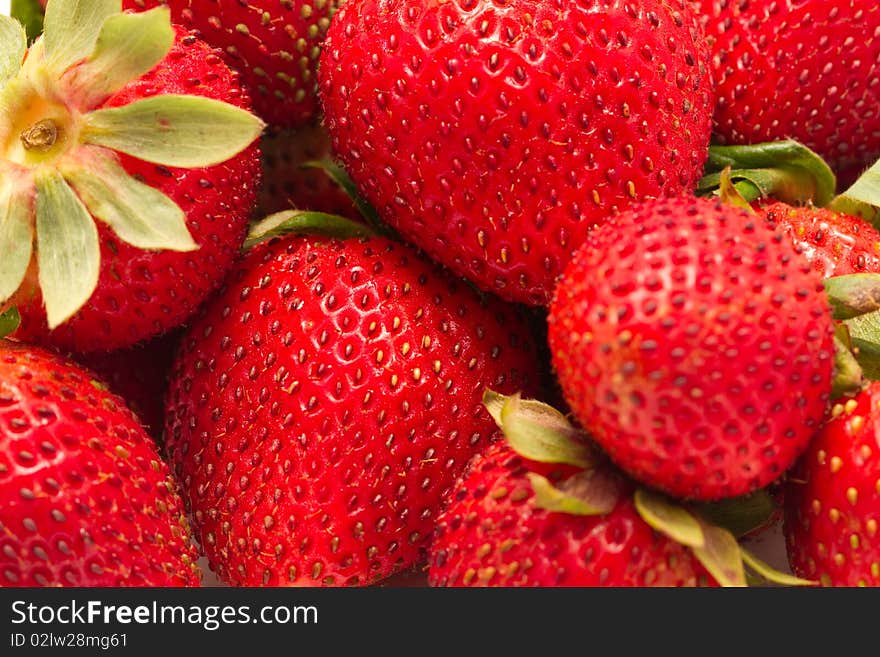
(274, 44)
(288, 184)
(803, 70)
(493, 136)
(833, 498)
(695, 344)
(85, 499)
(126, 247)
(326, 400)
(836, 243)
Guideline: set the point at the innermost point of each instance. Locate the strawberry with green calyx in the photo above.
(104, 243)
(543, 509)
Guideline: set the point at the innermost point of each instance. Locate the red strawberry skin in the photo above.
(836, 243)
(492, 534)
(798, 69)
(274, 44)
(326, 401)
(832, 499)
(85, 499)
(695, 344)
(142, 294)
(494, 135)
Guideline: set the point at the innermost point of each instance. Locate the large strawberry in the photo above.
(275, 45)
(833, 498)
(325, 401)
(85, 499)
(798, 69)
(124, 191)
(494, 135)
(696, 344)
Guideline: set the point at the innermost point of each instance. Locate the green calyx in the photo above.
(862, 199)
(305, 222)
(60, 169)
(9, 321)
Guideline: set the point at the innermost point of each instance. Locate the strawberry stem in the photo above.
(41, 136)
(299, 222)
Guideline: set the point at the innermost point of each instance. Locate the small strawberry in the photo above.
(85, 499)
(126, 181)
(275, 45)
(494, 136)
(696, 345)
(833, 498)
(803, 70)
(325, 401)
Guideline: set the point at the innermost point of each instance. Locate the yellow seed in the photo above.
(850, 406)
(839, 559)
(825, 579)
(417, 374)
(857, 423)
(405, 348)
(871, 526)
(820, 456)
(854, 541)
(817, 507)
(836, 463)
(875, 569)
(836, 410)
(834, 515)
(852, 495)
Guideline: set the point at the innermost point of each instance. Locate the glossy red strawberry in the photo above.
(85, 499)
(494, 135)
(836, 243)
(833, 498)
(275, 45)
(326, 400)
(695, 344)
(800, 69)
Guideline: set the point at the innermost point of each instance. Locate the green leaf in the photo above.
(13, 45)
(853, 294)
(740, 515)
(669, 519)
(304, 222)
(770, 574)
(71, 28)
(16, 236)
(9, 321)
(540, 433)
(140, 215)
(587, 493)
(30, 14)
(68, 254)
(721, 556)
(176, 131)
(864, 334)
(128, 46)
(863, 198)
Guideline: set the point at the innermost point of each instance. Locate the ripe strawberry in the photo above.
(326, 400)
(695, 344)
(803, 70)
(833, 498)
(85, 499)
(274, 44)
(493, 136)
(836, 243)
(129, 170)
(288, 184)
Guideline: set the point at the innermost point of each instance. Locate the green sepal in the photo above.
(785, 170)
(537, 431)
(68, 252)
(587, 493)
(13, 45)
(30, 14)
(864, 337)
(721, 556)
(71, 28)
(128, 46)
(769, 573)
(16, 236)
(849, 379)
(9, 322)
(729, 194)
(740, 515)
(669, 519)
(139, 214)
(305, 222)
(862, 199)
(174, 130)
(853, 295)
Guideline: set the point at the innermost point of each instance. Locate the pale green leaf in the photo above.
(16, 237)
(176, 131)
(864, 335)
(721, 556)
(68, 254)
(9, 321)
(494, 402)
(863, 197)
(139, 214)
(71, 28)
(305, 222)
(13, 45)
(129, 46)
(770, 574)
(669, 519)
(586, 493)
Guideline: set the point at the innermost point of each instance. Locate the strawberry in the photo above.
(833, 498)
(127, 184)
(803, 70)
(274, 44)
(494, 137)
(324, 402)
(696, 345)
(85, 499)
(287, 183)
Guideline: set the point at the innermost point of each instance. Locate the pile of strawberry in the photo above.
(288, 286)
